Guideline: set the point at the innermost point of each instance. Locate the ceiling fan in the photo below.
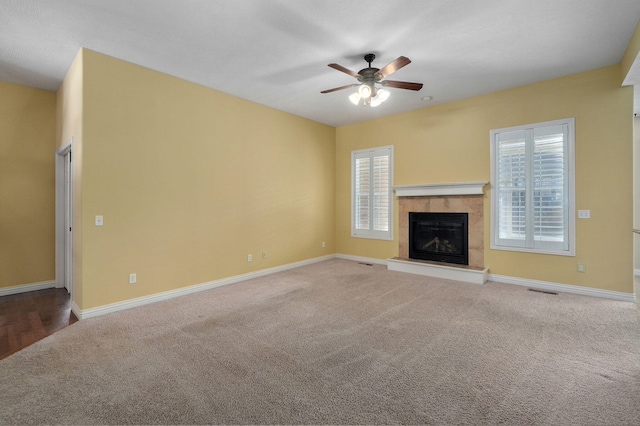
(369, 77)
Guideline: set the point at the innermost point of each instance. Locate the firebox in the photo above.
(439, 237)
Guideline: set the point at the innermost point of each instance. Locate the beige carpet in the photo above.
(338, 342)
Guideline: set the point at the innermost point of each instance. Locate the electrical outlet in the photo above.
(264, 254)
(249, 258)
(323, 244)
(582, 267)
(584, 214)
(132, 278)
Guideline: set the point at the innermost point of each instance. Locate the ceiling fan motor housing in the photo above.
(369, 74)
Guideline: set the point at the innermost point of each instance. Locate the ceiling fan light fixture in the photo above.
(375, 101)
(355, 98)
(365, 91)
(383, 94)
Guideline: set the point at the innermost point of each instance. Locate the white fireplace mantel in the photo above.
(440, 189)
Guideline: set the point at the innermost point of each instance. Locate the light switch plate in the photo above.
(99, 220)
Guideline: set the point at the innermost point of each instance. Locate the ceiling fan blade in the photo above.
(339, 88)
(394, 66)
(401, 85)
(344, 70)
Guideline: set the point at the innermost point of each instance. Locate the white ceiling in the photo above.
(275, 52)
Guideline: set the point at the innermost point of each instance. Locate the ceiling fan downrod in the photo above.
(368, 75)
(369, 57)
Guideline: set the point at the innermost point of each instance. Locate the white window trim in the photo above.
(571, 251)
(372, 234)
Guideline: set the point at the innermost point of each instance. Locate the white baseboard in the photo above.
(540, 285)
(145, 300)
(76, 311)
(26, 287)
(564, 288)
(361, 259)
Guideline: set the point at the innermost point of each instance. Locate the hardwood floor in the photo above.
(28, 317)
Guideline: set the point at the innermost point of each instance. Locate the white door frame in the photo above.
(64, 258)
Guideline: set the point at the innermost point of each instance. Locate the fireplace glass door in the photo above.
(439, 237)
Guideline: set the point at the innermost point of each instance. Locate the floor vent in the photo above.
(543, 291)
(368, 264)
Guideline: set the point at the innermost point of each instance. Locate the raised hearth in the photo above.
(467, 274)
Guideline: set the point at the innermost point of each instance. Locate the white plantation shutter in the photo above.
(362, 192)
(381, 193)
(511, 188)
(550, 178)
(372, 193)
(532, 206)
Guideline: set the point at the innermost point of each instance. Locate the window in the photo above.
(533, 202)
(371, 194)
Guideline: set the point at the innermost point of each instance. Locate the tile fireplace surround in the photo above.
(464, 197)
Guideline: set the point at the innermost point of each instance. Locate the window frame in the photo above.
(372, 233)
(568, 188)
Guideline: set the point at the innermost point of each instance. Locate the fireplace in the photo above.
(439, 237)
(463, 197)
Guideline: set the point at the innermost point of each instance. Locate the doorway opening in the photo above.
(64, 218)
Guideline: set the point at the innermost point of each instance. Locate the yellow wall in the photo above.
(69, 128)
(27, 190)
(450, 143)
(190, 180)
